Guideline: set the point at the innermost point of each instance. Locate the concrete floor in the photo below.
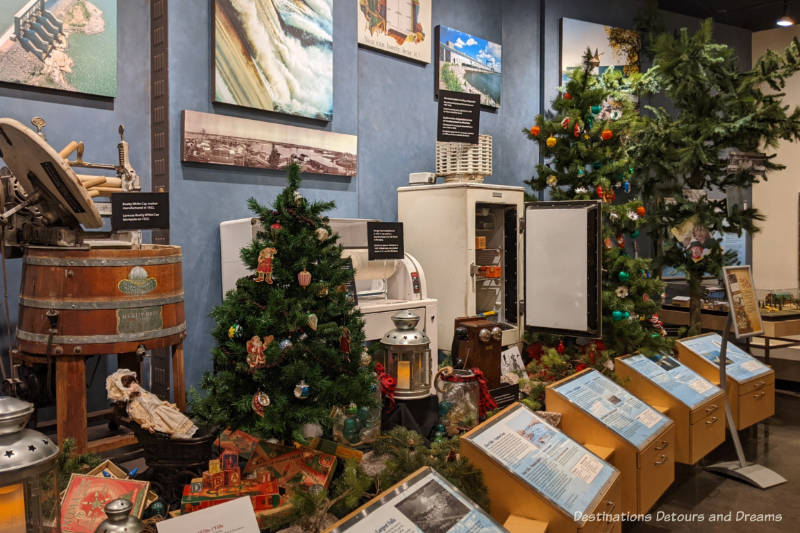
(775, 444)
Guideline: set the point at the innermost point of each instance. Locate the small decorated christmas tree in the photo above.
(584, 142)
(289, 338)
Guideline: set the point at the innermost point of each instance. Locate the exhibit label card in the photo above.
(427, 502)
(741, 366)
(627, 415)
(459, 117)
(559, 468)
(235, 516)
(669, 374)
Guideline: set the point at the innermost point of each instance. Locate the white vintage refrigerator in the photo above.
(561, 239)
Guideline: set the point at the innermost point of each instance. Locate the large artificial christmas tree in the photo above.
(289, 337)
(715, 107)
(584, 142)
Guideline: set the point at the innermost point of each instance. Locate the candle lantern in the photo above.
(407, 357)
(29, 501)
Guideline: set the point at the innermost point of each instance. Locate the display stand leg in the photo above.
(766, 350)
(71, 401)
(755, 474)
(178, 377)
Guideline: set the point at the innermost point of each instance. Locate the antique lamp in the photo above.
(407, 357)
(29, 501)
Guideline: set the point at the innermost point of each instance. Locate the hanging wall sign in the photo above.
(459, 117)
(385, 240)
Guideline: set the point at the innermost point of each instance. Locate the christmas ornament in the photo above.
(565, 123)
(366, 358)
(560, 349)
(622, 291)
(609, 244)
(599, 191)
(302, 390)
(276, 227)
(623, 276)
(535, 130)
(635, 233)
(551, 141)
(567, 96)
(323, 290)
(645, 297)
(260, 402)
(298, 198)
(576, 131)
(620, 241)
(304, 278)
(344, 341)
(616, 315)
(586, 136)
(596, 109)
(626, 186)
(552, 180)
(322, 234)
(609, 196)
(633, 216)
(255, 351)
(626, 315)
(351, 427)
(312, 321)
(581, 172)
(234, 331)
(613, 216)
(285, 344)
(615, 114)
(264, 269)
(641, 210)
(606, 135)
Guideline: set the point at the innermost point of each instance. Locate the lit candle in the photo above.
(12, 509)
(404, 375)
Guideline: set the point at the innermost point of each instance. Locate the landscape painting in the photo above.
(399, 27)
(468, 64)
(70, 45)
(616, 48)
(233, 141)
(275, 55)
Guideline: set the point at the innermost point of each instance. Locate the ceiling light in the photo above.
(785, 21)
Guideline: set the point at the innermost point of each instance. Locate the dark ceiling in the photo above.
(754, 15)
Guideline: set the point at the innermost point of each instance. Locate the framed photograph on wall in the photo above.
(275, 56)
(399, 27)
(69, 45)
(616, 48)
(468, 64)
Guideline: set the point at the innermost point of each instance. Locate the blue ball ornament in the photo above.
(616, 315)
(626, 186)
(626, 315)
(623, 276)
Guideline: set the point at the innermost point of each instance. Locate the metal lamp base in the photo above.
(755, 474)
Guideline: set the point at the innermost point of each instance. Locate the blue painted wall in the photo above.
(387, 101)
(94, 121)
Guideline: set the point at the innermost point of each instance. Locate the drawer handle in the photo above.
(761, 384)
(664, 444)
(662, 460)
(712, 420)
(759, 395)
(711, 408)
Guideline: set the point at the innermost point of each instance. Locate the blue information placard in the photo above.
(741, 366)
(556, 466)
(672, 376)
(627, 415)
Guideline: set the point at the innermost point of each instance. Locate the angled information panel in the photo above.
(423, 502)
(674, 377)
(557, 467)
(741, 366)
(624, 413)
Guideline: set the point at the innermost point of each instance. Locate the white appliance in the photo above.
(383, 287)
(473, 239)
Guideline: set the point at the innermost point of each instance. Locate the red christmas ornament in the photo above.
(620, 240)
(535, 130)
(599, 191)
(561, 348)
(567, 96)
(565, 123)
(608, 243)
(581, 366)
(576, 131)
(276, 226)
(344, 341)
(641, 210)
(304, 278)
(535, 351)
(609, 196)
(600, 345)
(606, 135)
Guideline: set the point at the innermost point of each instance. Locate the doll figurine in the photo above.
(264, 270)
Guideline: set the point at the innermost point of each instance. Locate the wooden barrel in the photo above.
(100, 301)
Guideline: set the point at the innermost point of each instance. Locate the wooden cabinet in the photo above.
(750, 384)
(695, 405)
(643, 440)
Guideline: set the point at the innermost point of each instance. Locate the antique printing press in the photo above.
(83, 293)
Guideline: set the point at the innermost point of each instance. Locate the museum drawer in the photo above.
(756, 384)
(609, 505)
(706, 434)
(656, 468)
(755, 406)
(715, 406)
